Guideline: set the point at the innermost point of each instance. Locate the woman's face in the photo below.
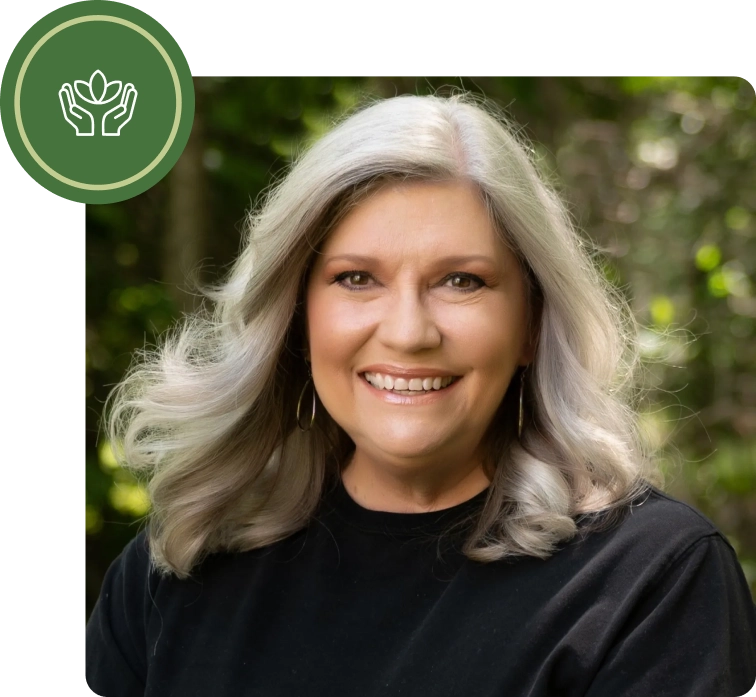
(416, 320)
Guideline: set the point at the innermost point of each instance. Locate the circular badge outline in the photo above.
(17, 103)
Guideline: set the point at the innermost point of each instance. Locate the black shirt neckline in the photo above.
(338, 500)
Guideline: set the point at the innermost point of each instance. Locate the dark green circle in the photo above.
(74, 53)
(98, 159)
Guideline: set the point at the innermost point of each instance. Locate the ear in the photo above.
(526, 358)
(305, 329)
(305, 338)
(533, 328)
(529, 347)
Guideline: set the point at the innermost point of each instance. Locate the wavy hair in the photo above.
(209, 415)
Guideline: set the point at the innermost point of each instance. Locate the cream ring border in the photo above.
(176, 119)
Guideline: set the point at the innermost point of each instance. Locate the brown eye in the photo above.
(464, 282)
(353, 280)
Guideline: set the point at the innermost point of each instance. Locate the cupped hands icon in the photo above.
(115, 119)
(84, 123)
(97, 91)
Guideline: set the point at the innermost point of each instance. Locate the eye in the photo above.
(353, 280)
(464, 282)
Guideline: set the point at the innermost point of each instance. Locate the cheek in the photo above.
(335, 330)
(490, 335)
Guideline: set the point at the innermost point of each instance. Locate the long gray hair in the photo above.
(210, 415)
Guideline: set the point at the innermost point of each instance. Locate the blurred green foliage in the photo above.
(658, 172)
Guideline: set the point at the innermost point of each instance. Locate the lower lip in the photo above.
(408, 400)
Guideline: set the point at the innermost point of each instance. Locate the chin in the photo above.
(408, 449)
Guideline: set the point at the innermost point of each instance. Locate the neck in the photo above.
(411, 491)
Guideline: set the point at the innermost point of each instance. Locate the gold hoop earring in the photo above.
(521, 415)
(299, 406)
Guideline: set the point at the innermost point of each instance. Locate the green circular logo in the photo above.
(97, 102)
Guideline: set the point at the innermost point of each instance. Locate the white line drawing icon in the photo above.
(84, 123)
(121, 114)
(97, 91)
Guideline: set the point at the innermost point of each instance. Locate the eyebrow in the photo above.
(451, 260)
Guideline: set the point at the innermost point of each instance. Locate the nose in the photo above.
(406, 325)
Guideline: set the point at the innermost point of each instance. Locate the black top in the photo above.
(365, 603)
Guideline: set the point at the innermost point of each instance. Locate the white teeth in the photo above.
(387, 382)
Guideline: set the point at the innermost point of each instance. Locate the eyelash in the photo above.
(341, 277)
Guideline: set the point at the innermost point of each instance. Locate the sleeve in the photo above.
(116, 663)
(694, 635)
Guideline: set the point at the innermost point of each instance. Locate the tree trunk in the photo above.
(184, 239)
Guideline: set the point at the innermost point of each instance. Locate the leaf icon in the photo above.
(82, 89)
(98, 90)
(112, 90)
(97, 86)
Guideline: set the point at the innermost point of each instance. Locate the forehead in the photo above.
(418, 219)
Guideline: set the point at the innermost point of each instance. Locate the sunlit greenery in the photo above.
(658, 172)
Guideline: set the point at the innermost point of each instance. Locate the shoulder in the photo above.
(128, 584)
(662, 572)
(652, 538)
(628, 597)
(133, 566)
(136, 553)
(655, 524)
(654, 508)
(656, 543)
(116, 630)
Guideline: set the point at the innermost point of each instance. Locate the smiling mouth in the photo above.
(411, 386)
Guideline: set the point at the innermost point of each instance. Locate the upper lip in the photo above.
(406, 372)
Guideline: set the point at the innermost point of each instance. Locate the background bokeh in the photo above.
(658, 172)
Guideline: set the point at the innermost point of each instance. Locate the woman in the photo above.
(400, 458)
